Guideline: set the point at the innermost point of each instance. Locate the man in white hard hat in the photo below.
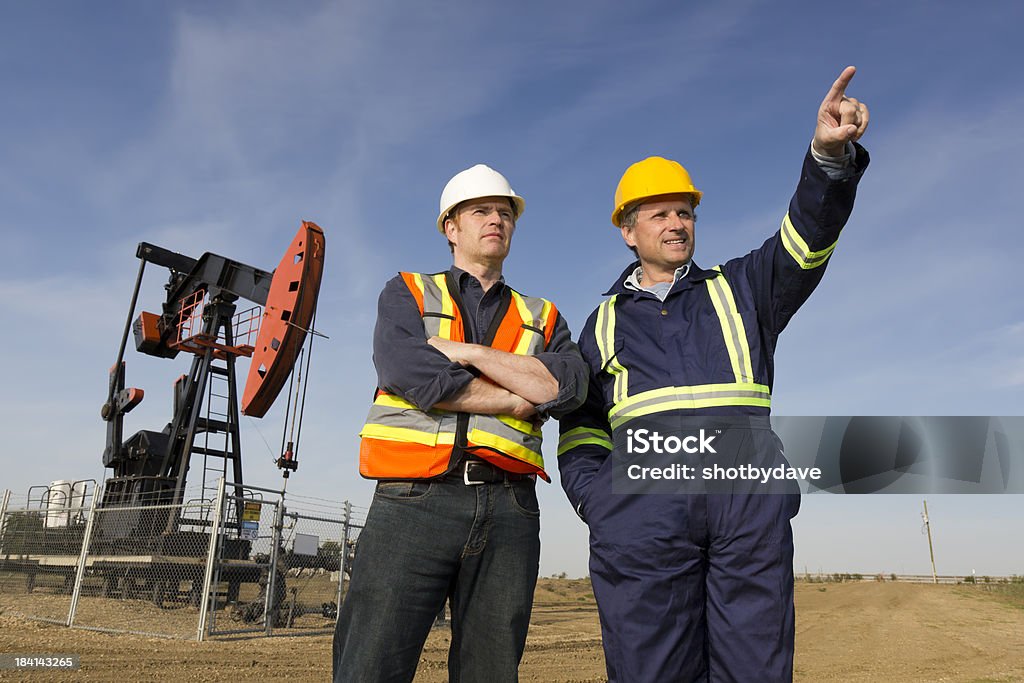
(697, 585)
(468, 368)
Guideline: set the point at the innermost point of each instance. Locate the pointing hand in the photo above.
(841, 119)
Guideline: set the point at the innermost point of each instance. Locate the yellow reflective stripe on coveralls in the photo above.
(606, 345)
(581, 436)
(689, 398)
(742, 392)
(732, 326)
(798, 249)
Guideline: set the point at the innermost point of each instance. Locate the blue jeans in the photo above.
(425, 541)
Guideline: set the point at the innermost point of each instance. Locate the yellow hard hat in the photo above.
(652, 177)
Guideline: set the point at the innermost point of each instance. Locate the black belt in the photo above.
(476, 472)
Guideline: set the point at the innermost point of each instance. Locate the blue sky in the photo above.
(202, 127)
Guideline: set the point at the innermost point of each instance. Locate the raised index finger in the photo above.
(835, 94)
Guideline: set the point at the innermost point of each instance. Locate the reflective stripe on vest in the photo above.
(397, 435)
(537, 323)
(507, 435)
(392, 417)
(743, 392)
(437, 307)
(400, 441)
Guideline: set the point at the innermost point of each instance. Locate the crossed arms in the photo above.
(437, 372)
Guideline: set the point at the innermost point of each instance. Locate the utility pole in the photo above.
(931, 550)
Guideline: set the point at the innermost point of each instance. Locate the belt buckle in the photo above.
(465, 475)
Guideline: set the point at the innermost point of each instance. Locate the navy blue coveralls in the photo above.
(697, 587)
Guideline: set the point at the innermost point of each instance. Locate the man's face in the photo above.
(481, 229)
(663, 234)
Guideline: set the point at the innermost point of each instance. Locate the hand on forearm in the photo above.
(457, 352)
(480, 396)
(522, 375)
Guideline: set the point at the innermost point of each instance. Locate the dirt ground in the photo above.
(852, 632)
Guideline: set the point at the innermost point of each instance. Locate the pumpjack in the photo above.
(200, 316)
(148, 540)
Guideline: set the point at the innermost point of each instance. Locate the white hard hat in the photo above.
(474, 183)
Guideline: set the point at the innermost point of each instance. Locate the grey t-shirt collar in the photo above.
(658, 289)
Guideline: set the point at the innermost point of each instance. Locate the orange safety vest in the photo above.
(400, 441)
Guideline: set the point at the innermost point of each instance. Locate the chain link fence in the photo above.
(302, 552)
(40, 547)
(144, 569)
(248, 561)
(241, 576)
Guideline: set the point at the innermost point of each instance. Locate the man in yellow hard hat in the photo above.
(696, 584)
(467, 370)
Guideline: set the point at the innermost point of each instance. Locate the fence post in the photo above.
(83, 557)
(3, 519)
(211, 553)
(3, 510)
(343, 561)
(272, 569)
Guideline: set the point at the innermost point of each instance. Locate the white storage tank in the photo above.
(58, 501)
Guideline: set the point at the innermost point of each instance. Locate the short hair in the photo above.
(630, 214)
(628, 220)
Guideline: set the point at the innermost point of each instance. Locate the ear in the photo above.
(627, 236)
(451, 230)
